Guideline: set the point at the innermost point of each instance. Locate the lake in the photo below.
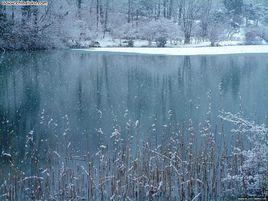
(73, 104)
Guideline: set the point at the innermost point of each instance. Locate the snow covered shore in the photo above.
(245, 49)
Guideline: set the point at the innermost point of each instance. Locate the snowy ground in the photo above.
(248, 49)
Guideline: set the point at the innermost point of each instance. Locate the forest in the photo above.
(94, 23)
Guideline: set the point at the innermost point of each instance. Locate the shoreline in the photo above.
(184, 51)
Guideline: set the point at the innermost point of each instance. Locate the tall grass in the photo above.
(184, 168)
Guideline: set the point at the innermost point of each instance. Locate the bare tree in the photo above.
(189, 15)
(106, 18)
(79, 6)
(206, 8)
(129, 11)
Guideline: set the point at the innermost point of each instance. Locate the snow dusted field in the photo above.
(245, 49)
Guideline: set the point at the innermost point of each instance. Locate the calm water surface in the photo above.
(81, 97)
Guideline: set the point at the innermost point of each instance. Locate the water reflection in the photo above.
(75, 99)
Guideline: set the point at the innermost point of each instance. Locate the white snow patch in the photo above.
(141, 43)
(243, 49)
(6, 155)
(32, 178)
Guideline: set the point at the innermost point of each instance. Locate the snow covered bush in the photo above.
(130, 43)
(26, 37)
(161, 42)
(253, 170)
(127, 43)
(126, 31)
(216, 27)
(158, 30)
(36, 28)
(254, 36)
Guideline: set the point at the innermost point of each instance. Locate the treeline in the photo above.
(73, 23)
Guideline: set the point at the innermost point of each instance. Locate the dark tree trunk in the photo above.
(187, 38)
(170, 9)
(106, 17)
(165, 8)
(129, 12)
(158, 10)
(79, 6)
(97, 12)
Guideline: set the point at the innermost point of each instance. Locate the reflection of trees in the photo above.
(107, 80)
(189, 81)
(231, 79)
(185, 84)
(4, 130)
(204, 70)
(94, 99)
(4, 141)
(98, 96)
(18, 114)
(99, 85)
(163, 102)
(139, 92)
(25, 117)
(236, 70)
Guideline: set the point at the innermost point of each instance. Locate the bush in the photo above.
(15, 36)
(130, 43)
(159, 31)
(161, 42)
(255, 36)
(95, 44)
(127, 43)
(250, 37)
